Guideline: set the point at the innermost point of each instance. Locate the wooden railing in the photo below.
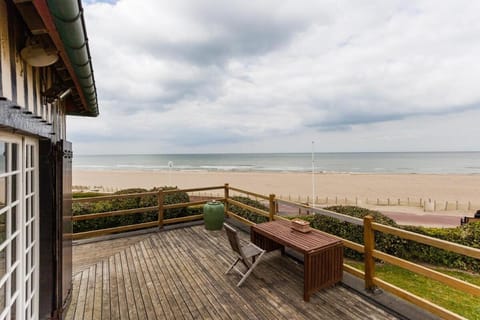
(160, 208)
(370, 254)
(367, 249)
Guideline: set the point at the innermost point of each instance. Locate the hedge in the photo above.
(468, 235)
(249, 215)
(128, 203)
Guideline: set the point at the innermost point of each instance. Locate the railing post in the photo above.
(271, 199)
(227, 196)
(369, 240)
(161, 197)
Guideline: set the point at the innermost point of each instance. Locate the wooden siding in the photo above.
(179, 274)
(21, 83)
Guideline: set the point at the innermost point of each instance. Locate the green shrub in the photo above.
(125, 204)
(468, 235)
(249, 215)
(354, 232)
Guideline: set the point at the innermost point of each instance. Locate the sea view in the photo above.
(361, 162)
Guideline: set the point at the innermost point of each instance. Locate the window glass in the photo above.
(3, 293)
(27, 183)
(3, 262)
(14, 188)
(32, 182)
(27, 208)
(14, 219)
(13, 311)
(14, 156)
(3, 192)
(32, 287)
(13, 250)
(3, 227)
(31, 207)
(32, 157)
(3, 157)
(27, 265)
(33, 234)
(13, 282)
(27, 156)
(27, 236)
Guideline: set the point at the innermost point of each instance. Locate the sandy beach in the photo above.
(437, 187)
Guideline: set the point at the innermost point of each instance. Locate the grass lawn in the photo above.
(454, 300)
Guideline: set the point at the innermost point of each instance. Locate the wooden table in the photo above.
(323, 254)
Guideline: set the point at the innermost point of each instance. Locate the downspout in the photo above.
(68, 18)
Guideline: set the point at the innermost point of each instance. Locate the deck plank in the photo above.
(171, 295)
(142, 286)
(90, 294)
(97, 287)
(131, 302)
(82, 295)
(169, 269)
(179, 274)
(210, 294)
(197, 288)
(106, 293)
(76, 279)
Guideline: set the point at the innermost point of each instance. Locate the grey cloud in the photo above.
(343, 118)
(235, 30)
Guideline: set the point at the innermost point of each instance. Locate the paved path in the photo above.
(427, 220)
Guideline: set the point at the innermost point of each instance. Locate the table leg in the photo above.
(306, 277)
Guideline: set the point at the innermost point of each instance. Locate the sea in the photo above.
(354, 162)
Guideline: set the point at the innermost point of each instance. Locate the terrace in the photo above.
(175, 272)
(179, 274)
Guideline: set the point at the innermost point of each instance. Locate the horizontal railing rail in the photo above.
(253, 194)
(115, 197)
(323, 212)
(159, 208)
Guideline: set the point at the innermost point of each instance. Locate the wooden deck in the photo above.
(179, 274)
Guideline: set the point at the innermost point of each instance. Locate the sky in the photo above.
(210, 76)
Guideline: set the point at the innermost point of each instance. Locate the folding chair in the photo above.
(244, 254)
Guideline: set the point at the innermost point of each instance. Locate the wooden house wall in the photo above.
(21, 83)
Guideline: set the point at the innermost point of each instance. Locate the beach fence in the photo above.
(427, 204)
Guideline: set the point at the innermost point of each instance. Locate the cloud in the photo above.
(208, 75)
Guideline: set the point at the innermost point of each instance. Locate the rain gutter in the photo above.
(66, 25)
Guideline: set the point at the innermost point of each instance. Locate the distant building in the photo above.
(45, 75)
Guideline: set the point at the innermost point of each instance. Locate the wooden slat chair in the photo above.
(244, 254)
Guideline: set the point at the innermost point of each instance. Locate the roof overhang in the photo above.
(62, 21)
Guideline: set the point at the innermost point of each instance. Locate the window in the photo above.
(18, 227)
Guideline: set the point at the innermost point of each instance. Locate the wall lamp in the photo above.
(37, 55)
